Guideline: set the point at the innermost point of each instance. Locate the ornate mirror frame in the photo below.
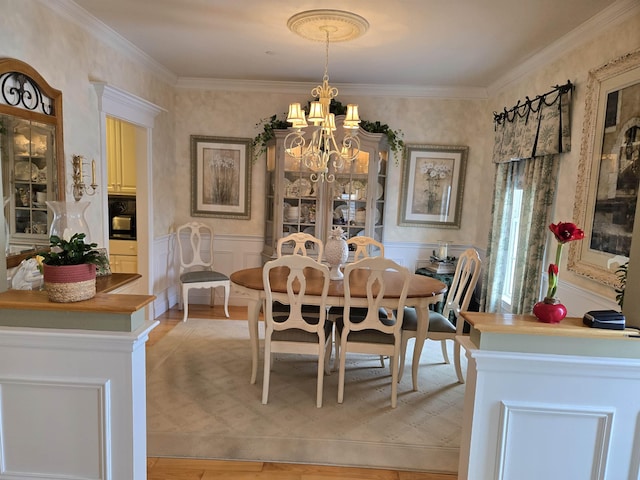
(601, 170)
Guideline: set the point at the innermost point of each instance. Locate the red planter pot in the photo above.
(70, 283)
(550, 310)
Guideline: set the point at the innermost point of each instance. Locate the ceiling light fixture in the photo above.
(322, 150)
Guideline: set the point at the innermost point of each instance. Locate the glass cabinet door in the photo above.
(357, 195)
(354, 201)
(300, 199)
(29, 146)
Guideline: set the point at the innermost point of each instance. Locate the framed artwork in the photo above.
(432, 185)
(609, 170)
(220, 177)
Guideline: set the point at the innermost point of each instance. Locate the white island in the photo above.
(549, 401)
(72, 387)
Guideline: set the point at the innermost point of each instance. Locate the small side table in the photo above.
(445, 278)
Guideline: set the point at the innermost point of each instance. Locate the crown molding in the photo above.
(607, 18)
(235, 85)
(71, 11)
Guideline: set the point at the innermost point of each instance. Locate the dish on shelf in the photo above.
(301, 187)
(286, 186)
(376, 216)
(341, 212)
(336, 190)
(289, 229)
(380, 192)
(310, 231)
(25, 171)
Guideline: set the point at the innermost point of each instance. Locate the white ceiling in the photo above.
(434, 43)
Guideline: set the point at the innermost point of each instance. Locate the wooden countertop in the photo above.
(109, 283)
(530, 325)
(101, 303)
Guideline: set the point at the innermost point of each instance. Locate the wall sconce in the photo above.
(79, 187)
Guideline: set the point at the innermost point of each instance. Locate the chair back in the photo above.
(302, 271)
(374, 269)
(195, 245)
(463, 284)
(300, 241)
(365, 247)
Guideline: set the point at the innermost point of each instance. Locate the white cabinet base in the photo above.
(73, 403)
(530, 416)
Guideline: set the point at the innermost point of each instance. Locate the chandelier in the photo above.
(322, 150)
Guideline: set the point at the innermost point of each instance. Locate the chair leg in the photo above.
(341, 370)
(336, 360)
(456, 361)
(403, 354)
(394, 381)
(227, 287)
(320, 381)
(185, 302)
(445, 355)
(327, 355)
(267, 372)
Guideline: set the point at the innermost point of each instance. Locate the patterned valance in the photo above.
(536, 128)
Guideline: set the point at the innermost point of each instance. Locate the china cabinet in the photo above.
(354, 201)
(30, 152)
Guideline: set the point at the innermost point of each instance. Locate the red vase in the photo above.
(550, 310)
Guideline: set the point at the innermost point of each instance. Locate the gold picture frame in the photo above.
(221, 177)
(606, 201)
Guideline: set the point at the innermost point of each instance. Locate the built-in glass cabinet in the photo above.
(354, 200)
(31, 159)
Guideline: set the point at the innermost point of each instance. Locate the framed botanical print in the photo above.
(432, 185)
(220, 177)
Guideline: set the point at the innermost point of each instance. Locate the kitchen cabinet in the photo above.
(354, 201)
(123, 256)
(121, 157)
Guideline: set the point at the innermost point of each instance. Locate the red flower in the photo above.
(566, 232)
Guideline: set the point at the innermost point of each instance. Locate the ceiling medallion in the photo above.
(341, 26)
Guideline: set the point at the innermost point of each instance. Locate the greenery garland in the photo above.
(269, 124)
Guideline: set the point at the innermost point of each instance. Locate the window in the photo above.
(514, 227)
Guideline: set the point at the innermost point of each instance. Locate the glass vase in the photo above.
(68, 219)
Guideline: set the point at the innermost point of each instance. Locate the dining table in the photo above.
(423, 292)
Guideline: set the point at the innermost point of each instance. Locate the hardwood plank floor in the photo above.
(198, 469)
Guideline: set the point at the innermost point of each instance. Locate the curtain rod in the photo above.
(527, 106)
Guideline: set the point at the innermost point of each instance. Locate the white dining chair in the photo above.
(441, 328)
(294, 331)
(195, 246)
(372, 334)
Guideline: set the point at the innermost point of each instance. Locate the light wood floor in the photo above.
(196, 469)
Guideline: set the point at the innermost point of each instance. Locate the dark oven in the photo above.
(122, 217)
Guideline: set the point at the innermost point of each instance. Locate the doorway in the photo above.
(120, 105)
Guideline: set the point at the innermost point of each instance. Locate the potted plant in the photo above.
(69, 268)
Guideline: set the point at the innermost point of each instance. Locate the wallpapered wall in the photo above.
(575, 66)
(69, 58)
(437, 121)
